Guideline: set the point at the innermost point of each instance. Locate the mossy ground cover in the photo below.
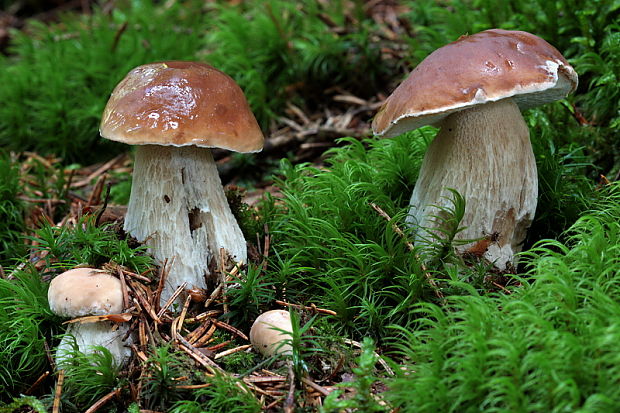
(539, 338)
(545, 345)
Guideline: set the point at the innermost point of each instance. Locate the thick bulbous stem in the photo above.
(178, 208)
(485, 154)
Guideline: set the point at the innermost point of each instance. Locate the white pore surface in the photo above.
(486, 155)
(88, 335)
(179, 209)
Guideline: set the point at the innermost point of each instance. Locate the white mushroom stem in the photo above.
(178, 208)
(486, 155)
(88, 335)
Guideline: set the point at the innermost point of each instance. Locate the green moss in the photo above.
(12, 210)
(362, 398)
(58, 77)
(23, 401)
(26, 323)
(165, 365)
(247, 294)
(585, 32)
(332, 249)
(277, 50)
(225, 394)
(87, 243)
(89, 377)
(547, 346)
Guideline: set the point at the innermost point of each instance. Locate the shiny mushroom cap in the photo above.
(179, 104)
(265, 334)
(477, 69)
(85, 291)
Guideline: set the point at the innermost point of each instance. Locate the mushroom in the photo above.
(86, 292)
(473, 89)
(175, 111)
(266, 335)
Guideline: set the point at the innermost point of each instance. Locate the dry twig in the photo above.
(312, 308)
(289, 402)
(58, 391)
(102, 401)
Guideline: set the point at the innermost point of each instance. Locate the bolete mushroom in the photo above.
(473, 89)
(267, 333)
(175, 111)
(87, 292)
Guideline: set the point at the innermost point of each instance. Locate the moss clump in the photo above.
(546, 346)
(12, 210)
(25, 326)
(57, 78)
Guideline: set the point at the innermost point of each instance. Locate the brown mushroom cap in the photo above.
(484, 67)
(181, 103)
(265, 336)
(85, 291)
